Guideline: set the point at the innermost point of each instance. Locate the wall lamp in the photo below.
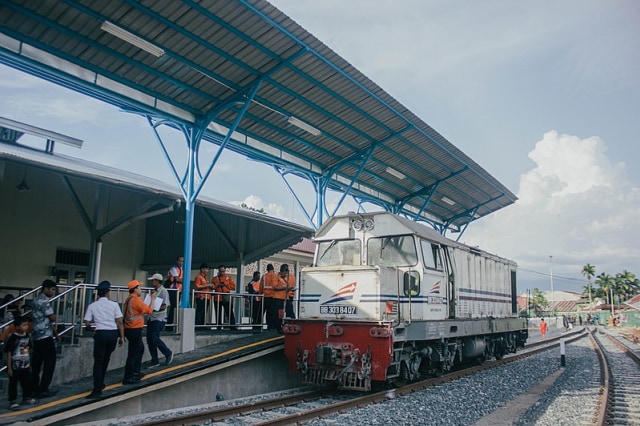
(131, 38)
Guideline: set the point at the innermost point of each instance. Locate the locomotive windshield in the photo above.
(338, 252)
(399, 250)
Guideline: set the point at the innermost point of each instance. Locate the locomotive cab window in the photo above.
(411, 283)
(431, 255)
(338, 252)
(399, 250)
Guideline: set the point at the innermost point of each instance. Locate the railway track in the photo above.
(620, 372)
(305, 406)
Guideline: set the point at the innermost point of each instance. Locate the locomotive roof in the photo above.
(415, 228)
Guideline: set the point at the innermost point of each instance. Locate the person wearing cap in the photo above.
(202, 293)
(44, 337)
(156, 323)
(134, 310)
(109, 331)
(223, 284)
(267, 283)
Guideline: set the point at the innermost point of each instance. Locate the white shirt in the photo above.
(103, 312)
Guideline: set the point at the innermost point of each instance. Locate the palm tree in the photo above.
(605, 282)
(625, 285)
(589, 271)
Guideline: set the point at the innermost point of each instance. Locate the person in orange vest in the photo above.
(174, 284)
(281, 295)
(202, 295)
(267, 283)
(256, 301)
(223, 285)
(290, 280)
(134, 310)
(543, 327)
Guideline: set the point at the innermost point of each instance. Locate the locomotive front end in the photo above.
(342, 336)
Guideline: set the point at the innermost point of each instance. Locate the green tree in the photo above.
(538, 302)
(605, 282)
(589, 271)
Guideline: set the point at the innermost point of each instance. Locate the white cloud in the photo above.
(575, 205)
(272, 209)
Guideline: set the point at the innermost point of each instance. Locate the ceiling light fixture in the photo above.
(448, 201)
(133, 39)
(395, 173)
(304, 126)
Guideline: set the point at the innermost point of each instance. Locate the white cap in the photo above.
(155, 277)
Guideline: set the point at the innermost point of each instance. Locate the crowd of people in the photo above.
(30, 335)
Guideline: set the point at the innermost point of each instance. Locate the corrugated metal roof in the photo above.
(224, 231)
(214, 54)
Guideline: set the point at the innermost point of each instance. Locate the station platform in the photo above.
(245, 365)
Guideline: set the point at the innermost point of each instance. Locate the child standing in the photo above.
(18, 348)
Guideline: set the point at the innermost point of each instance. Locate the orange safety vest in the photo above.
(134, 310)
(280, 290)
(201, 285)
(218, 288)
(268, 282)
(176, 282)
(292, 286)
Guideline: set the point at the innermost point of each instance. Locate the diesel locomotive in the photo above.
(390, 300)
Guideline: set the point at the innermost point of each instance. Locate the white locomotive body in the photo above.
(388, 299)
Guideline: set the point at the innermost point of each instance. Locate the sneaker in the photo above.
(138, 375)
(169, 359)
(153, 364)
(29, 401)
(14, 406)
(130, 381)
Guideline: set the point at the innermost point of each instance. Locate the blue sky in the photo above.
(544, 95)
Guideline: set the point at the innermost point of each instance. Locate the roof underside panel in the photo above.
(215, 53)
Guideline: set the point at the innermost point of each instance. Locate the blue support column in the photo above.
(189, 187)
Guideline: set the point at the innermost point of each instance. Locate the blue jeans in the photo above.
(154, 342)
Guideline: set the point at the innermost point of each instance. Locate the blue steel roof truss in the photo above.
(215, 53)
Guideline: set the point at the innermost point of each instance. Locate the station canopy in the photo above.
(301, 107)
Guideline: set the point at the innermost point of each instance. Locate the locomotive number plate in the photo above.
(339, 310)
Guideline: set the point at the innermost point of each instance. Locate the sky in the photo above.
(545, 96)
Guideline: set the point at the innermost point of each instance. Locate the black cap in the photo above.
(104, 285)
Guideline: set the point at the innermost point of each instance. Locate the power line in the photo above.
(560, 277)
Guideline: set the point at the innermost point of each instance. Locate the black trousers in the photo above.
(43, 359)
(135, 351)
(104, 343)
(228, 309)
(200, 306)
(171, 311)
(271, 310)
(24, 377)
(256, 312)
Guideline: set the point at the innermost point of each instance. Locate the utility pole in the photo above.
(551, 275)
